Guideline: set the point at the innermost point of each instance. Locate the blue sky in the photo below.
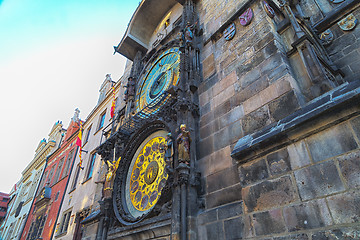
(54, 55)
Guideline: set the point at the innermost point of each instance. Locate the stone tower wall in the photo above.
(307, 186)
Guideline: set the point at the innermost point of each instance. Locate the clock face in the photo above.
(159, 76)
(146, 175)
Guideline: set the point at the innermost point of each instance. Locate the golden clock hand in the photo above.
(172, 64)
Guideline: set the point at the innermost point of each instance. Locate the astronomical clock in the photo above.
(143, 177)
(149, 186)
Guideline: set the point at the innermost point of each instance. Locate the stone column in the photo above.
(183, 180)
(105, 208)
(186, 106)
(135, 74)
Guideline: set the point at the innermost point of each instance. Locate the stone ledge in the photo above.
(149, 228)
(282, 133)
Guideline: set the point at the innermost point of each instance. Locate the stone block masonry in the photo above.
(289, 193)
(307, 187)
(297, 161)
(246, 80)
(345, 50)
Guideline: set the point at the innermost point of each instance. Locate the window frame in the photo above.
(101, 120)
(67, 164)
(58, 170)
(10, 230)
(42, 182)
(65, 221)
(37, 227)
(34, 185)
(88, 131)
(76, 178)
(90, 169)
(51, 175)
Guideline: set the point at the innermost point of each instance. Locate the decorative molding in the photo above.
(279, 134)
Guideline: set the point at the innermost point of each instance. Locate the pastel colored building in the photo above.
(4, 201)
(27, 186)
(12, 198)
(41, 220)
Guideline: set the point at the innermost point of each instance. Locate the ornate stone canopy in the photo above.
(142, 25)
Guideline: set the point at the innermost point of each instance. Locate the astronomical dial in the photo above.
(159, 76)
(146, 175)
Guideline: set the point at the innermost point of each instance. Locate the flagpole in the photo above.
(79, 143)
(114, 152)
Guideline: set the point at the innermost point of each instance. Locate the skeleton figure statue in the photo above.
(130, 89)
(188, 34)
(169, 152)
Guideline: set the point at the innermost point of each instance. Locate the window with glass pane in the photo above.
(36, 228)
(67, 164)
(58, 171)
(102, 120)
(64, 223)
(42, 183)
(87, 135)
(51, 174)
(11, 229)
(91, 166)
(73, 186)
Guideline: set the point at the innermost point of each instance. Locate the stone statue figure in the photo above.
(188, 34)
(183, 142)
(130, 89)
(169, 152)
(108, 184)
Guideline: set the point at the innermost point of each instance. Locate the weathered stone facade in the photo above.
(273, 121)
(304, 186)
(282, 183)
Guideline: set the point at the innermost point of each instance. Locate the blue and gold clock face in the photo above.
(158, 77)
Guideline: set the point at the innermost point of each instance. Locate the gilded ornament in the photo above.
(148, 175)
(348, 23)
(326, 37)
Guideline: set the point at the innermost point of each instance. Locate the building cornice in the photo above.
(101, 105)
(39, 159)
(64, 148)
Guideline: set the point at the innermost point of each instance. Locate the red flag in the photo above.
(78, 142)
(112, 113)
